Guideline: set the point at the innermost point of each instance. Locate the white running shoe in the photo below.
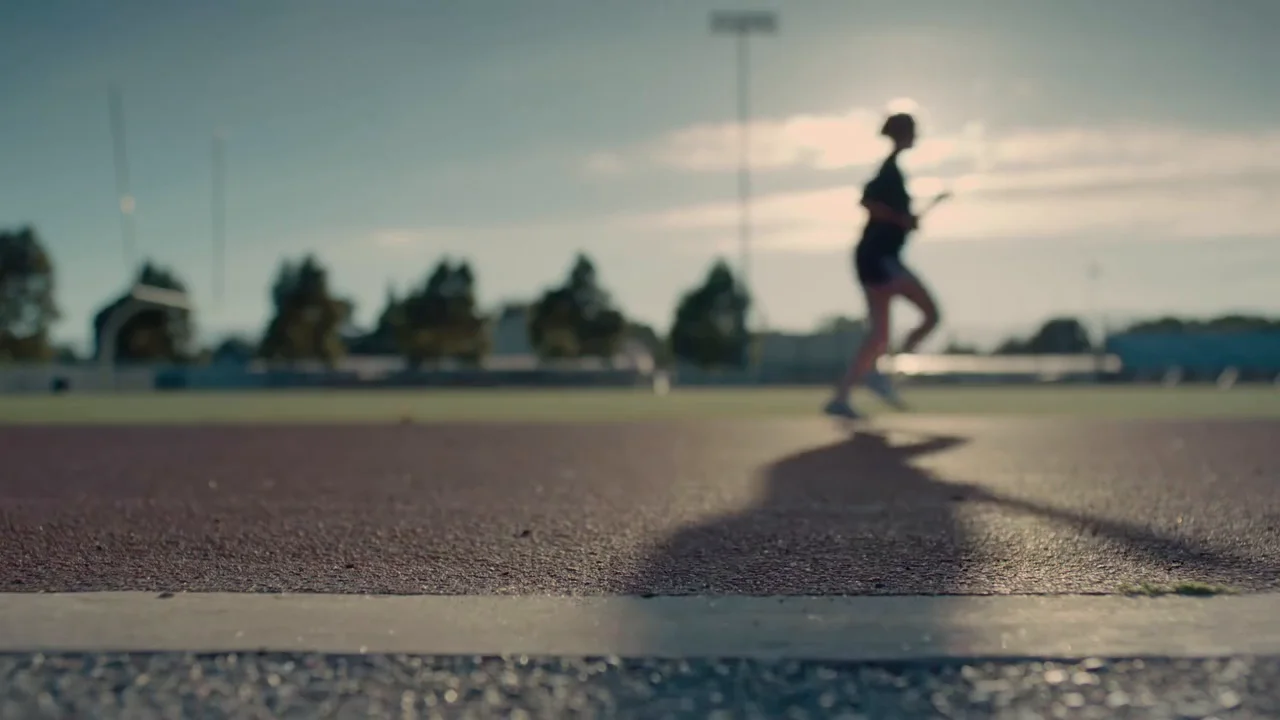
(841, 409)
(879, 384)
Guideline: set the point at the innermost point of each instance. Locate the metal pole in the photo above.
(744, 161)
(741, 24)
(219, 217)
(128, 229)
(1095, 319)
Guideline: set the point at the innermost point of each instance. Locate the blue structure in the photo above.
(1256, 355)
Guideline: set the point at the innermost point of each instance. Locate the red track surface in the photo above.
(792, 507)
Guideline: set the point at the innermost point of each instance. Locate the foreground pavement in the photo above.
(547, 555)
(247, 655)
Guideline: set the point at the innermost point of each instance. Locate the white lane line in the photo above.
(853, 628)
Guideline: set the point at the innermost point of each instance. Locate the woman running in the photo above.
(882, 274)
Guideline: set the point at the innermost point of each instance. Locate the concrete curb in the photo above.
(821, 628)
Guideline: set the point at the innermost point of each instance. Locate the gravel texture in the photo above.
(304, 686)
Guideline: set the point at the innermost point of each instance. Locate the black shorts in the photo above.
(877, 267)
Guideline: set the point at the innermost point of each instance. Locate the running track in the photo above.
(914, 506)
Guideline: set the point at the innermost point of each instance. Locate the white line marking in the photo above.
(855, 628)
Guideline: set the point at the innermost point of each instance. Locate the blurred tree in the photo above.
(1239, 323)
(424, 314)
(66, 354)
(151, 335)
(382, 340)
(577, 318)
(1223, 324)
(27, 306)
(710, 328)
(1158, 326)
(1058, 336)
(601, 328)
(1062, 336)
(307, 317)
(440, 319)
(1012, 346)
(468, 338)
(955, 347)
(234, 350)
(838, 324)
(553, 331)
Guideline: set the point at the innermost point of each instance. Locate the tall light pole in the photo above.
(1094, 272)
(128, 230)
(219, 215)
(742, 24)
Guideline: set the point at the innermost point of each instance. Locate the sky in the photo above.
(1140, 138)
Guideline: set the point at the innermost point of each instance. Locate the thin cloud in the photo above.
(1174, 149)
(829, 219)
(463, 238)
(1138, 181)
(820, 142)
(850, 140)
(1063, 205)
(398, 238)
(605, 163)
(1143, 181)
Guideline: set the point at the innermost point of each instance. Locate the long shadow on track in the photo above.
(848, 518)
(861, 516)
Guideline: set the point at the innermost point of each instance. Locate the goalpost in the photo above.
(140, 299)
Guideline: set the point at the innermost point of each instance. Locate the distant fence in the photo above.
(175, 379)
(1003, 368)
(919, 369)
(38, 379)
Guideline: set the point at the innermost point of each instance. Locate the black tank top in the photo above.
(890, 188)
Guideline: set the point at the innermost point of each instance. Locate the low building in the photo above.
(1197, 355)
(509, 332)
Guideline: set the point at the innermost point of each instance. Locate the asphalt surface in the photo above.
(913, 505)
(305, 686)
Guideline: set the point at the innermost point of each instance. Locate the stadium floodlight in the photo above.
(744, 21)
(742, 24)
(141, 298)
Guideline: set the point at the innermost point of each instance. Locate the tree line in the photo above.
(436, 320)
(1068, 335)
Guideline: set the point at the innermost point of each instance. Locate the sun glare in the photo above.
(927, 186)
(903, 105)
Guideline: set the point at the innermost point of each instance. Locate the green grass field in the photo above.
(347, 406)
